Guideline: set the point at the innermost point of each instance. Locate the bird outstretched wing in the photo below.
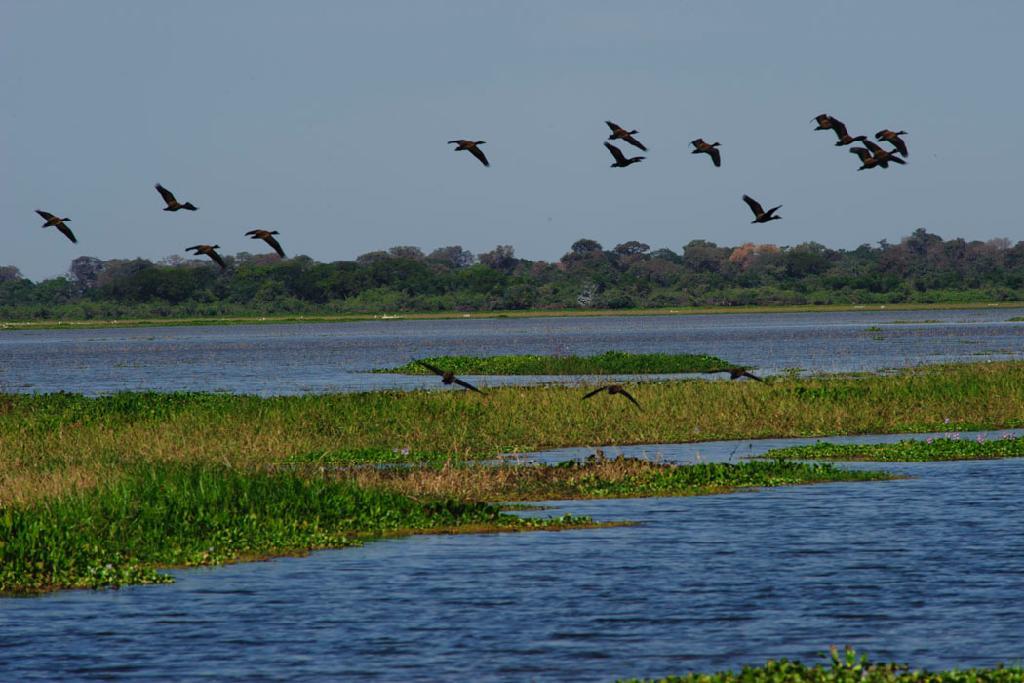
(754, 206)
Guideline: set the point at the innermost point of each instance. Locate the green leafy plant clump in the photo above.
(170, 514)
(845, 667)
(908, 450)
(608, 363)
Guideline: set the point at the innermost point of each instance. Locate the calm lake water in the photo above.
(927, 570)
(326, 357)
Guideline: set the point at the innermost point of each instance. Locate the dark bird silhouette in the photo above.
(612, 389)
(760, 215)
(824, 121)
(172, 203)
(209, 251)
(448, 377)
(471, 145)
(867, 160)
(735, 372)
(620, 159)
(709, 149)
(55, 222)
(620, 133)
(893, 138)
(268, 237)
(881, 156)
(844, 137)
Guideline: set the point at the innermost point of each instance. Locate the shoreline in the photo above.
(533, 313)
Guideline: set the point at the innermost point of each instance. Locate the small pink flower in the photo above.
(946, 421)
(928, 440)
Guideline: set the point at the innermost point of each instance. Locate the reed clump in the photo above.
(844, 667)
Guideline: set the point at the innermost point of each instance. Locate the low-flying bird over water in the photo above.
(55, 222)
(736, 372)
(448, 377)
(620, 159)
(268, 237)
(709, 149)
(893, 138)
(760, 215)
(172, 203)
(208, 249)
(824, 121)
(844, 137)
(471, 145)
(612, 389)
(620, 133)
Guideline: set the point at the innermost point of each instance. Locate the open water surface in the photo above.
(327, 357)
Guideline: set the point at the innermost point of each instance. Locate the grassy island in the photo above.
(107, 490)
(908, 450)
(608, 363)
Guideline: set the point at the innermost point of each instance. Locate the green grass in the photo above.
(909, 450)
(845, 667)
(50, 444)
(172, 514)
(608, 363)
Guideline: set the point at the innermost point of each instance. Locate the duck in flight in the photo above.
(872, 155)
(893, 138)
(472, 147)
(612, 389)
(172, 203)
(703, 147)
(268, 237)
(620, 159)
(735, 372)
(760, 215)
(844, 136)
(448, 377)
(620, 133)
(208, 249)
(59, 223)
(824, 121)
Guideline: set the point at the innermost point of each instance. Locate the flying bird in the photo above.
(268, 237)
(824, 121)
(867, 160)
(620, 133)
(736, 372)
(612, 389)
(620, 159)
(709, 149)
(448, 377)
(883, 156)
(55, 222)
(209, 251)
(760, 215)
(844, 137)
(471, 145)
(172, 203)
(893, 138)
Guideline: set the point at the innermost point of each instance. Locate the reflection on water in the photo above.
(928, 570)
(326, 357)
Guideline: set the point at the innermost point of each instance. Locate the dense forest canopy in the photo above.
(921, 268)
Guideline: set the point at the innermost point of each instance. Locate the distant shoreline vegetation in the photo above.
(922, 269)
(608, 363)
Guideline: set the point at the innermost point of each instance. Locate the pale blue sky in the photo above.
(328, 122)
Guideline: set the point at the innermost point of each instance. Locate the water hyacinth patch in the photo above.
(608, 363)
(949, 447)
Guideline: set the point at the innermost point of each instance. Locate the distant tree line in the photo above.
(921, 268)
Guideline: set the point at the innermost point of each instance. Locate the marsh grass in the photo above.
(845, 667)
(608, 363)
(173, 514)
(908, 450)
(50, 444)
(597, 477)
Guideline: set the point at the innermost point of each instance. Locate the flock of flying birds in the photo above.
(173, 205)
(871, 155)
